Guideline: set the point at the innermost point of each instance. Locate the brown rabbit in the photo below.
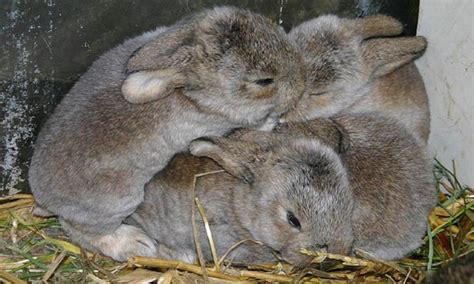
(353, 66)
(211, 72)
(294, 171)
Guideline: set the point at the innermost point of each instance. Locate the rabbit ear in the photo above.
(385, 55)
(344, 142)
(376, 26)
(157, 68)
(225, 152)
(169, 61)
(147, 86)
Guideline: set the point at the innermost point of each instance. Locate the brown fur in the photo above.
(402, 95)
(353, 67)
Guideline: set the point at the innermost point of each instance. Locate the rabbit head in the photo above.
(298, 193)
(227, 61)
(344, 56)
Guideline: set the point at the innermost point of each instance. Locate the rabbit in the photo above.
(390, 185)
(144, 101)
(288, 195)
(390, 176)
(356, 65)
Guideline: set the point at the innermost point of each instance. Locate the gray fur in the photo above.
(390, 183)
(354, 67)
(144, 101)
(391, 180)
(302, 176)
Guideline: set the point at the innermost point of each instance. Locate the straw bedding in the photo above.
(35, 249)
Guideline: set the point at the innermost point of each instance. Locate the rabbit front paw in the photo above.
(268, 125)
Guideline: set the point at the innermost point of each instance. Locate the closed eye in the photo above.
(264, 82)
(318, 94)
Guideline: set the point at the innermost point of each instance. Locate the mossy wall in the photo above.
(47, 44)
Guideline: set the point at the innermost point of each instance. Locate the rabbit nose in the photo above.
(319, 248)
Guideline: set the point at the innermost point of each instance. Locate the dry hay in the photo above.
(35, 249)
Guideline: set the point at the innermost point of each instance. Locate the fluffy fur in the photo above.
(144, 101)
(298, 168)
(267, 182)
(352, 66)
(390, 177)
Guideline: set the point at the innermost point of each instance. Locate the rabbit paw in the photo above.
(126, 241)
(268, 125)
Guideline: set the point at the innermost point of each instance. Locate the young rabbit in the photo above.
(288, 195)
(353, 66)
(390, 177)
(297, 170)
(144, 101)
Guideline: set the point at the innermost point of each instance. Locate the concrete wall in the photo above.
(448, 68)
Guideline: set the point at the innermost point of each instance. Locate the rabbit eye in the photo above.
(318, 94)
(264, 82)
(293, 221)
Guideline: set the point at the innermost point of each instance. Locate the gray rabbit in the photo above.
(356, 65)
(288, 190)
(144, 101)
(390, 177)
(288, 195)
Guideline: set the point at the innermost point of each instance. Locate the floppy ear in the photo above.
(158, 68)
(385, 55)
(376, 26)
(161, 65)
(229, 154)
(344, 141)
(147, 86)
